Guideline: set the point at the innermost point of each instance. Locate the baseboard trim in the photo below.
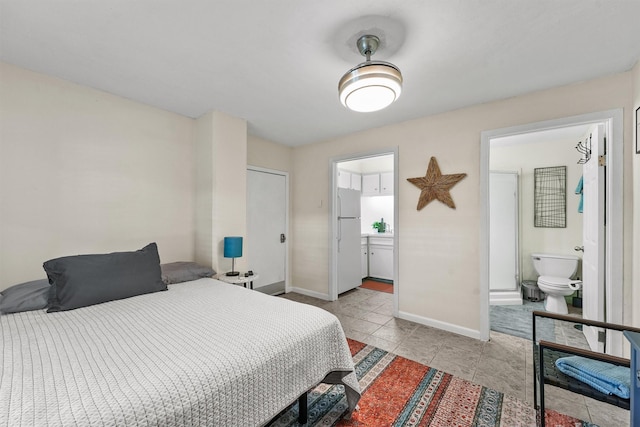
(309, 293)
(505, 298)
(460, 330)
(277, 288)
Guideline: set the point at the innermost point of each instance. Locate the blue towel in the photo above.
(604, 377)
(579, 191)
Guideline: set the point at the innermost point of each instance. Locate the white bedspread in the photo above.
(201, 353)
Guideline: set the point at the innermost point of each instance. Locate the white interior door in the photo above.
(266, 224)
(593, 259)
(503, 226)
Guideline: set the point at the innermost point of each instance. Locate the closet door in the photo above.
(503, 227)
(267, 229)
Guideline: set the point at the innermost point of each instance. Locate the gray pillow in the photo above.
(25, 297)
(82, 280)
(184, 271)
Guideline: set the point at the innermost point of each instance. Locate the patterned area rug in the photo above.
(399, 392)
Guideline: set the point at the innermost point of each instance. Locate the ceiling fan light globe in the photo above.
(370, 86)
(370, 98)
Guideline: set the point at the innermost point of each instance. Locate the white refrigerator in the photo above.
(349, 232)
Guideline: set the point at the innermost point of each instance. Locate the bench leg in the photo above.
(302, 409)
(535, 379)
(541, 385)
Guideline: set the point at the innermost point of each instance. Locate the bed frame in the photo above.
(302, 409)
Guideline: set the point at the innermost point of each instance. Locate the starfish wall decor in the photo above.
(434, 185)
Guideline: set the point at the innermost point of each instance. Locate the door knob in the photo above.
(579, 249)
(282, 238)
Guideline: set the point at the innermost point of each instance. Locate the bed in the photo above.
(201, 353)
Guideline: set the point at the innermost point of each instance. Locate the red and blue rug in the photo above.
(400, 392)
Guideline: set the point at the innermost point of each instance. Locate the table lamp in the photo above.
(233, 249)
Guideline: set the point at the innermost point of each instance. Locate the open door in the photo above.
(593, 260)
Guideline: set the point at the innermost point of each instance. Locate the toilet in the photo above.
(555, 272)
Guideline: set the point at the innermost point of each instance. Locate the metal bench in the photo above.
(545, 354)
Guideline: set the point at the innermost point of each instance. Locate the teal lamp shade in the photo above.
(233, 249)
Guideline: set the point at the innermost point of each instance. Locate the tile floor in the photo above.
(567, 334)
(504, 363)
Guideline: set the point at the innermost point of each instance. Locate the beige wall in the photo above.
(524, 158)
(439, 247)
(269, 155)
(205, 251)
(221, 181)
(82, 171)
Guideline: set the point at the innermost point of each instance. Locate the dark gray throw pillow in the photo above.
(26, 296)
(184, 271)
(82, 280)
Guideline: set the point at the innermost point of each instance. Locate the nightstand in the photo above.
(237, 280)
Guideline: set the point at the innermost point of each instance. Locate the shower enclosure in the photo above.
(504, 273)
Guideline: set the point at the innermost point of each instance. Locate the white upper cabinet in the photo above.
(377, 184)
(356, 181)
(386, 183)
(349, 180)
(344, 179)
(371, 184)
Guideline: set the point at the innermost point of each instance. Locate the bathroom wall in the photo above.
(524, 158)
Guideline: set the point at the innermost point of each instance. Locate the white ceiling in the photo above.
(277, 63)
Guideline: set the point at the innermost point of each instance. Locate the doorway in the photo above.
(533, 210)
(377, 186)
(612, 283)
(267, 225)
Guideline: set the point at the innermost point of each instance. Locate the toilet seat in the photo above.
(558, 282)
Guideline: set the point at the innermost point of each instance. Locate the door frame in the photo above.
(613, 121)
(333, 221)
(287, 273)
